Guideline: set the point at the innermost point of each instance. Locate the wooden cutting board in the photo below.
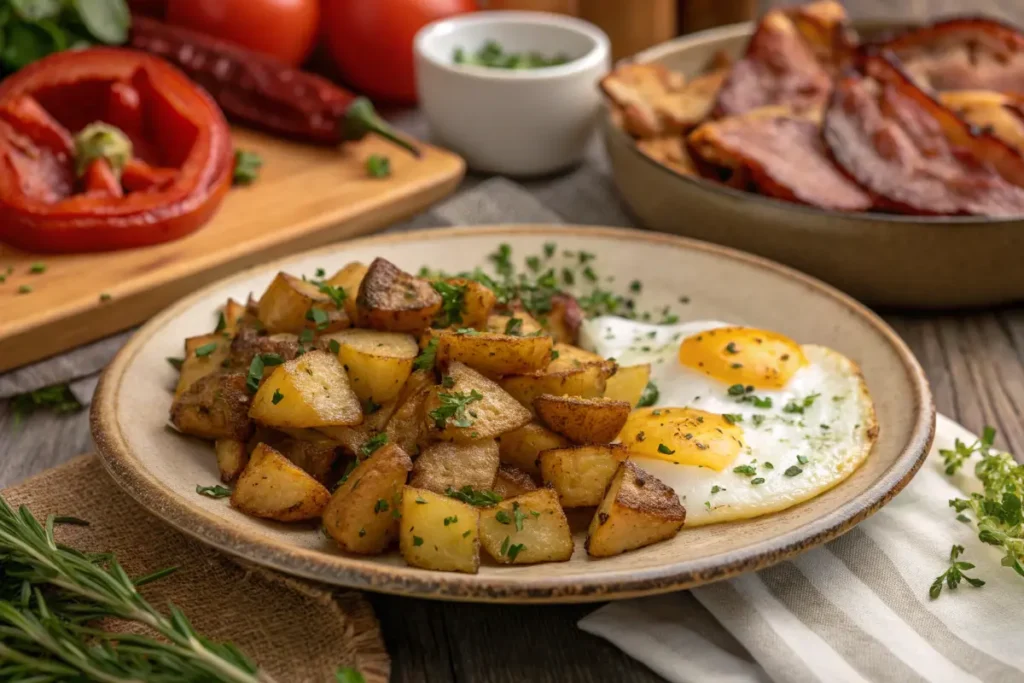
(305, 197)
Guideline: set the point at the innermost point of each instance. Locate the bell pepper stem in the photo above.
(361, 119)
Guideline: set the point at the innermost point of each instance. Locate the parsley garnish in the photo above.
(381, 506)
(427, 357)
(802, 459)
(453, 301)
(798, 406)
(319, 317)
(334, 346)
(514, 550)
(453, 409)
(217, 491)
(732, 418)
(518, 516)
(502, 517)
(715, 489)
(756, 482)
(952, 576)
(24, 289)
(737, 390)
(451, 520)
(747, 470)
(176, 363)
(247, 167)
(467, 494)
(793, 470)
(337, 295)
(206, 349)
(649, 396)
(259, 362)
(373, 444)
(662, 448)
(416, 540)
(378, 166)
(554, 354)
(514, 327)
(277, 397)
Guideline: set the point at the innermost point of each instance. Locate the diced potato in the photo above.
(362, 515)
(685, 436)
(527, 325)
(467, 406)
(285, 307)
(393, 300)
(522, 447)
(511, 481)
(349, 278)
(494, 355)
(564, 319)
(527, 529)
(477, 302)
(203, 356)
(310, 391)
(637, 510)
(235, 317)
(568, 357)
(249, 343)
(232, 457)
(353, 438)
(273, 487)
(408, 427)
(215, 407)
(439, 532)
(378, 363)
(588, 381)
(447, 464)
(316, 458)
(628, 383)
(583, 420)
(581, 474)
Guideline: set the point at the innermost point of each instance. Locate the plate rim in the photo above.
(360, 573)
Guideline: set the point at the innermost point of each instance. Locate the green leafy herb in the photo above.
(417, 541)
(502, 517)
(453, 302)
(649, 396)
(514, 327)
(176, 363)
(451, 520)
(337, 295)
(732, 418)
(737, 390)
(247, 167)
(514, 550)
(493, 56)
(56, 398)
(635, 286)
(953, 575)
(378, 166)
(37, 268)
(961, 452)
(259, 363)
(757, 482)
(662, 448)
(453, 409)
(381, 506)
(371, 406)
(347, 674)
(222, 322)
(758, 420)
(555, 354)
(334, 346)
(427, 357)
(802, 459)
(216, 491)
(746, 470)
(467, 494)
(25, 289)
(206, 349)
(277, 397)
(319, 317)
(373, 444)
(799, 406)
(518, 516)
(768, 466)
(715, 489)
(793, 470)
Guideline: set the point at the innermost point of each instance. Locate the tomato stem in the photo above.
(361, 119)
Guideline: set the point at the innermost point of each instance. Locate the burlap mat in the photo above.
(295, 630)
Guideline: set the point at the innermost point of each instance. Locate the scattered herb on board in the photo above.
(953, 575)
(467, 494)
(247, 167)
(493, 56)
(37, 268)
(57, 398)
(216, 491)
(378, 166)
(25, 289)
(453, 409)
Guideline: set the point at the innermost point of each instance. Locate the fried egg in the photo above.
(747, 421)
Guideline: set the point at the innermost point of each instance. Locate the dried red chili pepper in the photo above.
(180, 149)
(259, 91)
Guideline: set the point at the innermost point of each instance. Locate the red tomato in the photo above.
(285, 29)
(371, 40)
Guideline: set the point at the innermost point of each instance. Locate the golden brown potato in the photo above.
(568, 357)
(236, 317)
(583, 420)
(391, 299)
(439, 532)
(581, 474)
(378, 363)
(628, 383)
(511, 481)
(232, 457)
(349, 278)
(215, 407)
(203, 356)
(494, 355)
(637, 510)
(447, 464)
(522, 447)
(564, 319)
(363, 513)
(271, 486)
(310, 391)
(316, 458)
(408, 427)
(477, 303)
(249, 343)
(527, 529)
(467, 406)
(587, 381)
(287, 306)
(525, 325)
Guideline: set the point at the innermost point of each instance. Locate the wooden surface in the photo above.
(306, 196)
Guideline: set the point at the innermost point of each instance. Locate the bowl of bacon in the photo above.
(887, 160)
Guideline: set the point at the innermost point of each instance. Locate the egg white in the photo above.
(827, 441)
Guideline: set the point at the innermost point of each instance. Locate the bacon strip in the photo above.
(912, 153)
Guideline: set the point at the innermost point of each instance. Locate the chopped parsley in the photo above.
(319, 317)
(662, 448)
(793, 470)
(378, 166)
(715, 489)
(757, 482)
(802, 459)
(337, 295)
(635, 286)
(417, 541)
(247, 167)
(206, 349)
(514, 550)
(453, 301)
(467, 494)
(381, 506)
(554, 354)
(37, 268)
(732, 418)
(427, 357)
(371, 446)
(24, 289)
(260, 362)
(334, 346)
(746, 470)
(502, 517)
(176, 363)
(277, 397)
(517, 516)
(514, 327)
(798, 406)
(451, 520)
(649, 396)
(453, 409)
(217, 491)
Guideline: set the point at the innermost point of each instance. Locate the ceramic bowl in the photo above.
(513, 122)
(882, 259)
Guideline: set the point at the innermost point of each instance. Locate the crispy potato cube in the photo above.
(467, 406)
(215, 407)
(232, 457)
(511, 481)
(408, 427)
(522, 447)
(477, 302)
(349, 278)
(363, 513)
(448, 464)
(249, 343)
(527, 529)
(203, 356)
(628, 383)
(637, 510)
(273, 487)
(494, 355)
(439, 532)
(378, 363)
(581, 474)
(587, 381)
(391, 299)
(564, 319)
(235, 318)
(569, 357)
(310, 391)
(286, 306)
(583, 420)
(316, 458)
(527, 325)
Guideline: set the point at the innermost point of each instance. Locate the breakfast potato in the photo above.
(581, 474)
(249, 343)
(203, 356)
(522, 447)
(477, 302)
(392, 300)
(214, 407)
(236, 317)
(494, 355)
(273, 487)
(582, 420)
(362, 515)
(628, 383)
(564, 319)
(447, 464)
(287, 306)
(315, 457)
(232, 457)
(408, 426)
(527, 529)
(637, 510)
(511, 481)
(378, 363)
(521, 322)
(309, 391)
(349, 278)
(567, 357)
(467, 406)
(588, 381)
(438, 532)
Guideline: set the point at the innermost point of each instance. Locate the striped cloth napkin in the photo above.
(856, 609)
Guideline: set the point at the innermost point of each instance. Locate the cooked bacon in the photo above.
(963, 54)
(914, 154)
(782, 155)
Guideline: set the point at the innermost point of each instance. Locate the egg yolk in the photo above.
(743, 355)
(685, 436)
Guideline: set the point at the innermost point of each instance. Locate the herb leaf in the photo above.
(216, 491)
(649, 396)
(467, 494)
(453, 409)
(427, 357)
(247, 167)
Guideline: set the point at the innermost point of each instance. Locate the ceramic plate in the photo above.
(161, 468)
